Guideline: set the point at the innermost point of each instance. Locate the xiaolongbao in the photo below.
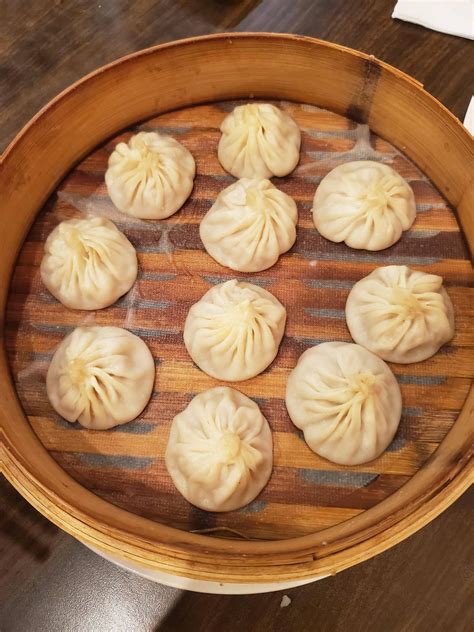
(259, 141)
(234, 331)
(400, 314)
(88, 263)
(151, 176)
(249, 226)
(101, 377)
(219, 452)
(366, 204)
(346, 400)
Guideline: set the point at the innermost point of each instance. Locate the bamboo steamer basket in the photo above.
(178, 75)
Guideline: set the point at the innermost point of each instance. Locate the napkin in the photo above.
(469, 118)
(455, 17)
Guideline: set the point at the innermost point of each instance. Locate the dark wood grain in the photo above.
(26, 540)
(426, 582)
(423, 584)
(46, 45)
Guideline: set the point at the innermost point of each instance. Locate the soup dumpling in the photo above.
(346, 401)
(88, 263)
(366, 204)
(402, 315)
(234, 331)
(259, 141)
(101, 377)
(219, 451)
(151, 176)
(249, 226)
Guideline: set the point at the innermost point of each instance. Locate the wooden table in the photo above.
(49, 582)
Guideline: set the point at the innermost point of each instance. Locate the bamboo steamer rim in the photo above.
(24, 460)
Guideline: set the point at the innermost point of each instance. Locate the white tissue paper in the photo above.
(455, 17)
(469, 118)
